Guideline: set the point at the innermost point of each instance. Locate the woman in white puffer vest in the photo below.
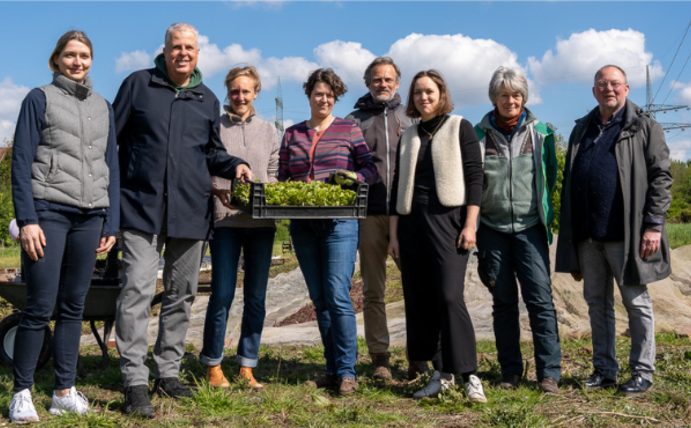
(65, 188)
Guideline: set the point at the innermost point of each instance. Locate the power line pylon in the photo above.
(651, 108)
(279, 110)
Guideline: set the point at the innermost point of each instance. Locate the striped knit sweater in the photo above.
(342, 146)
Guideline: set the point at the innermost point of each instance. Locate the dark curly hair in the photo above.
(327, 76)
(445, 103)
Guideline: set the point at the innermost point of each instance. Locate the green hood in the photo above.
(195, 79)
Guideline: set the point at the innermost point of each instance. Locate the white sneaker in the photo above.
(22, 410)
(73, 402)
(435, 386)
(473, 389)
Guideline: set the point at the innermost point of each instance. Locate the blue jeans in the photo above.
(257, 244)
(326, 251)
(503, 258)
(59, 280)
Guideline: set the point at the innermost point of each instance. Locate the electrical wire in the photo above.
(672, 63)
(677, 79)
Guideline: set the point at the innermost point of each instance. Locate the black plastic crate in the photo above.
(258, 208)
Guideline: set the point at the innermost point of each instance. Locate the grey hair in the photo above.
(512, 79)
(382, 60)
(599, 72)
(180, 26)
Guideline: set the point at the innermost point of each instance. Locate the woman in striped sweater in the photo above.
(326, 248)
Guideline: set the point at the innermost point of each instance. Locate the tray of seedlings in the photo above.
(300, 200)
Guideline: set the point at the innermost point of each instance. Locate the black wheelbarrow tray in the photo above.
(99, 305)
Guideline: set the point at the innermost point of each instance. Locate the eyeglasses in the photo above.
(603, 84)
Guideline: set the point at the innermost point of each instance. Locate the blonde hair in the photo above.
(77, 35)
(247, 70)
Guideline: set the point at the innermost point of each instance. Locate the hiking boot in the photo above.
(137, 401)
(73, 402)
(348, 386)
(380, 362)
(329, 380)
(549, 385)
(171, 387)
(435, 386)
(510, 381)
(473, 389)
(417, 368)
(216, 378)
(246, 373)
(22, 409)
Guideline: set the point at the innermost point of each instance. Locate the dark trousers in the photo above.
(503, 257)
(433, 275)
(59, 280)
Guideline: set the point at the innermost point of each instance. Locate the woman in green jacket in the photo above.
(520, 170)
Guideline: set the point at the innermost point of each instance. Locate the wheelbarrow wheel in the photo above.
(8, 332)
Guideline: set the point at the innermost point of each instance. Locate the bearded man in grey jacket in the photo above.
(615, 199)
(381, 116)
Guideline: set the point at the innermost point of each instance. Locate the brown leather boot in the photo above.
(215, 377)
(417, 368)
(380, 362)
(246, 373)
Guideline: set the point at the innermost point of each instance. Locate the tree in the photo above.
(560, 147)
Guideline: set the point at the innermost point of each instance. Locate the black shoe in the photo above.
(597, 381)
(137, 401)
(171, 387)
(510, 381)
(635, 385)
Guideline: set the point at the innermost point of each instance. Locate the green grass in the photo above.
(679, 234)
(286, 402)
(10, 256)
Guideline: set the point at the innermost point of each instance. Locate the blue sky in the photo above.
(559, 45)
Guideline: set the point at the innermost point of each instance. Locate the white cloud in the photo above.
(577, 58)
(466, 63)
(684, 95)
(11, 97)
(348, 59)
(6, 131)
(214, 60)
(680, 150)
(133, 61)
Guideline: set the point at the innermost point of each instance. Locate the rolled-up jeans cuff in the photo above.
(247, 362)
(210, 361)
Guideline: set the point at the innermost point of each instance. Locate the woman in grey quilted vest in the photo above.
(65, 188)
(254, 140)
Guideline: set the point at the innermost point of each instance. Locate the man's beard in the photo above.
(384, 98)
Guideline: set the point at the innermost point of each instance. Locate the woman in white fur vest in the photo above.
(436, 193)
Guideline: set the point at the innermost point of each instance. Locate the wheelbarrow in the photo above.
(100, 305)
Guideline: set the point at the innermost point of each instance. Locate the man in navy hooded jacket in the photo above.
(169, 147)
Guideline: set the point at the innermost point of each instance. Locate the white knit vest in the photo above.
(446, 161)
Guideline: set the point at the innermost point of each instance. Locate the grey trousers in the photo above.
(140, 256)
(374, 240)
(601, 264)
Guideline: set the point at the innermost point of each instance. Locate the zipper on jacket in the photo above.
(388, 166)
(244, 141)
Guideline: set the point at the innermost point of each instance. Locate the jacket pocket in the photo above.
(54, 165)
(132, 167)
